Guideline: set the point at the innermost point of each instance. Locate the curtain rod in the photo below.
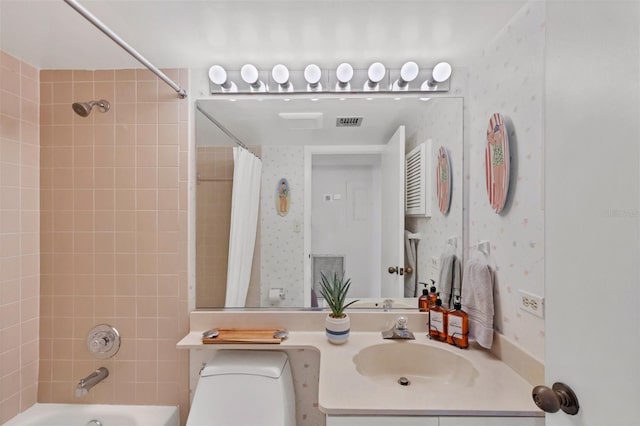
(224, 129)
(113, 36)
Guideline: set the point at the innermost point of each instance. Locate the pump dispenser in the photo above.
(438, 322)
(423, 301)
(458, 326)
(433, 296)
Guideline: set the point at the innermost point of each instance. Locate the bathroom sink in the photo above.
(420, 364)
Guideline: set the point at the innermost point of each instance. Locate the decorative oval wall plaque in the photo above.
(443, 180)
(496, 159)
(283, 199)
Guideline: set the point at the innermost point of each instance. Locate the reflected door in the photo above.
(392, 215)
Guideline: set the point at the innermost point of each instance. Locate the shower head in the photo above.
(83, 109)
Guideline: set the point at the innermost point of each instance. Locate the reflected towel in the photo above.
(410, 255)
(450, 279)
(477, 300)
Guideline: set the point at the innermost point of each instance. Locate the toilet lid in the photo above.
(256, 363)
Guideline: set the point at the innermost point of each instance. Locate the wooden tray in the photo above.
(246, 336)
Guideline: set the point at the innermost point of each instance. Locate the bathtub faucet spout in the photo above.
(90, 381)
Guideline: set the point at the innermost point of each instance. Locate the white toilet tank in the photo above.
(244, 388)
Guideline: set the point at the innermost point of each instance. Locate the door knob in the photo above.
(408, 270)
(560, 396)
(395, 270)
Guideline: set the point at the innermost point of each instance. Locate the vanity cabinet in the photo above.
(381, 421)
(432, 421)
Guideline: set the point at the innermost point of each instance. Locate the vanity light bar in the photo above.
(409, 77)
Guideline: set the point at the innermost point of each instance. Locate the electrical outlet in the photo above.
(532, 303)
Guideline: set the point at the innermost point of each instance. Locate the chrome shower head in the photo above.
(83, 109)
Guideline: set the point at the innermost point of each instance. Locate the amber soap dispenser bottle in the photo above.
(438, 322)
(458, 326)
(423, 301)
(433, 296)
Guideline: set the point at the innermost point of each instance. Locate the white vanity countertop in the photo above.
(496, 391)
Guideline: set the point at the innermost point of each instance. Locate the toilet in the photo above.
(244, 388)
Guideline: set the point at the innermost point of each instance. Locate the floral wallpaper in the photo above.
(442, 123)
(282, 245)
(508, 78)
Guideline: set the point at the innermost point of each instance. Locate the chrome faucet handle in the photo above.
(401, 323)
(103, 341)
(387, 304)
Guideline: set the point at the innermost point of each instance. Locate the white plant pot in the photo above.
(337, 329)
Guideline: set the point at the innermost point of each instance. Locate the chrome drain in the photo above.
(404, 381)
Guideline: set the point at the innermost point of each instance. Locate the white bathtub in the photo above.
(105, 415)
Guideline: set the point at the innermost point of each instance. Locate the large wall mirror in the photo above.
(342, 161)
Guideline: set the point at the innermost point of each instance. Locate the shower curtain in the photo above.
(245, 201)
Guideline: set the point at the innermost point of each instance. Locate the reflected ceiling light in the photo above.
(375, 73)
(441, 73)
(312, 74)
(344, 74)
(408, 73)
(218, 76)
(280, 75)
(250, 75)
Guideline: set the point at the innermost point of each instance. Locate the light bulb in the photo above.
(441, 72)
(312, 74)
(375, 73)
(408, 73)
(344, 74)
(250, 75)
(218, 76)
(280, 75)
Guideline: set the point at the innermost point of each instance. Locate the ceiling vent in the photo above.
(349, 121)
(302, 120)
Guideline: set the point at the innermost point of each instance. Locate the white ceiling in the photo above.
(259, 123)
(49, 34)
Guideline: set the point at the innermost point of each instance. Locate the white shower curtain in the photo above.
(245, 201)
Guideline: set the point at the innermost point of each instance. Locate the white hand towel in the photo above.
(477, 300)
(450, 279)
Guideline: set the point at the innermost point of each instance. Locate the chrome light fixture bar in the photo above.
(409, 77)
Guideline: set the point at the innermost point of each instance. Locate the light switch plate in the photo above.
(532, 303)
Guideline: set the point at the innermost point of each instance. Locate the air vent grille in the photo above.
(349, 121)
(418, 182)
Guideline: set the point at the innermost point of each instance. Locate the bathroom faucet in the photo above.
(90, 381)
(387, 304)
(399, 331)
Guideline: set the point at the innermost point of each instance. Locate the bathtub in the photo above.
(97, 415)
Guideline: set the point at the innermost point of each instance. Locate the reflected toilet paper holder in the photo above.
(276, 294)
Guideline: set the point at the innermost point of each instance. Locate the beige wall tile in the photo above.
(20, 260)
(110, 208)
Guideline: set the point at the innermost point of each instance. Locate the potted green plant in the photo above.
(334, 291)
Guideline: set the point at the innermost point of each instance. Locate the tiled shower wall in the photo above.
(19, 236)
(113, 235)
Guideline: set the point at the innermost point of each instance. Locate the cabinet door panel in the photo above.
(381, 421)
(491, 421)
